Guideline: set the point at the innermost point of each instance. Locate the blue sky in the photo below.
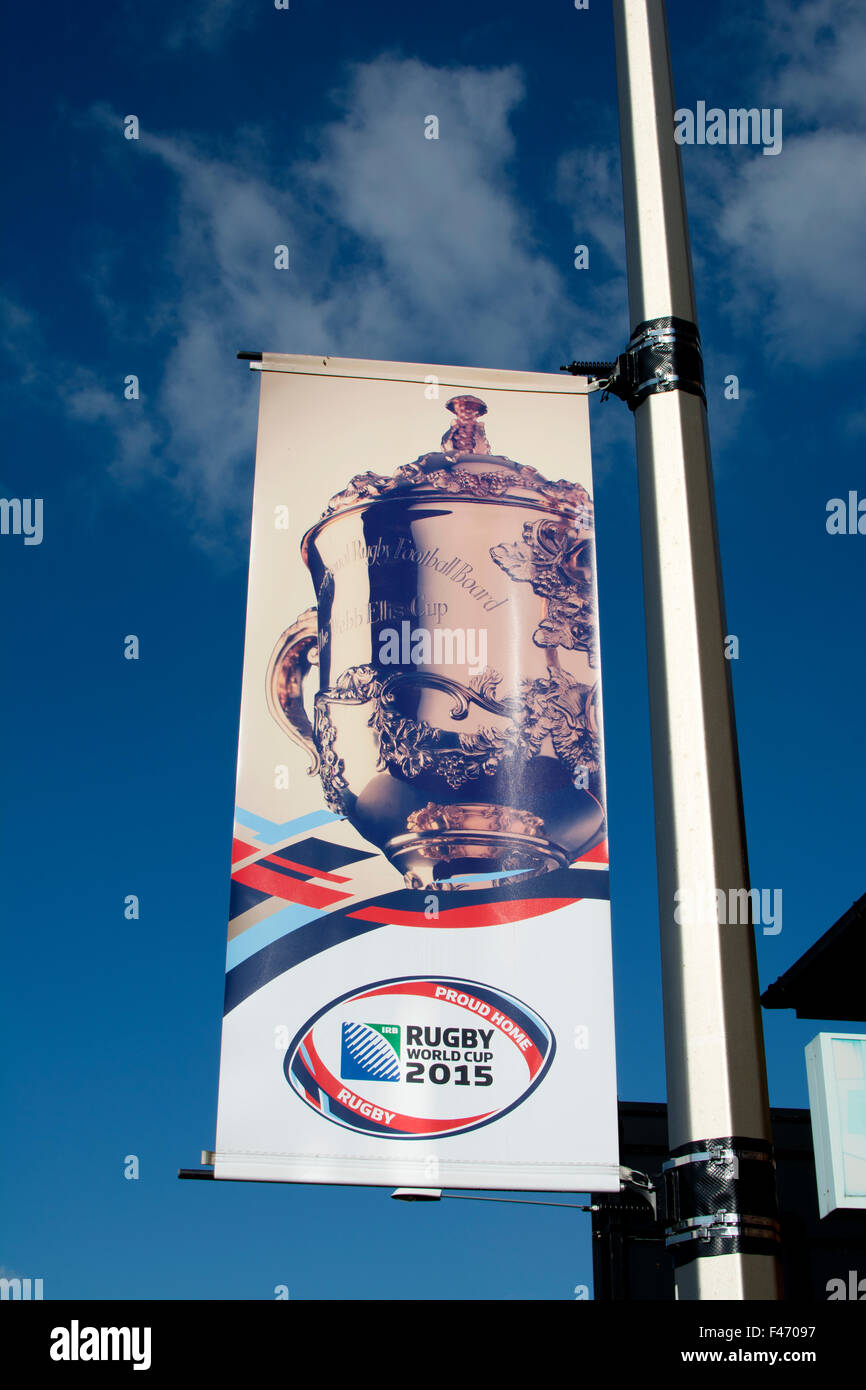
(155, 257)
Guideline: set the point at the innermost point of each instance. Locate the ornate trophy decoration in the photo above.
(456, 724)
(467, 436)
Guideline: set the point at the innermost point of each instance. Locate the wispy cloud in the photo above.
(783, 237)
(820, 52)
(589, 182)
(207, 23)
(796, 235)
(20, 341)
(415, 249)
(400, 247)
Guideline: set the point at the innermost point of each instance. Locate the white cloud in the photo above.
(401, 247)
(780, 240)
(137, 454)
(796, 235)
(453, 248)
(820, 50)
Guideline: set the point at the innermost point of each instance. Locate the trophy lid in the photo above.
(464, 467)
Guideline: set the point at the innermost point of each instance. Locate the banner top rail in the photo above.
(418, 373)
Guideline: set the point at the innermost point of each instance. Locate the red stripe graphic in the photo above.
(406, 1123)
(482, 915)
(294, 890)
(242, 851)
(277, 858)
(427, 990)
(599, 855)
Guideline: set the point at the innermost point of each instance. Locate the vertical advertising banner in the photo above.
(419, 985)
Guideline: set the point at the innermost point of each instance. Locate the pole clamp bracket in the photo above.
(720, 1199)
(661, 355)
(724, 1225)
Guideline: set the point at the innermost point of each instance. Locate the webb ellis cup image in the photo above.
(457, 719)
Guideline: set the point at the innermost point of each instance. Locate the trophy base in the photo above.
(472, 846)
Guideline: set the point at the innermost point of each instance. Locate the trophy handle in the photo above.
(291, 659)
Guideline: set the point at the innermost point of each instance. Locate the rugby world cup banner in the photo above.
(419, 985)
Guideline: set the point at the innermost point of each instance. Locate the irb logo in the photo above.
(371, 1052)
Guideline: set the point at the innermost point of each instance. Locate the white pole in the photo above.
(717, 1087)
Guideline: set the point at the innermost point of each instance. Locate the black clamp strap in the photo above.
(721, 1199)
(662, 355)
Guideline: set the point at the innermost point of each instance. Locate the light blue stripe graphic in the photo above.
(542, 1026)
(269, 831)
(265, 933)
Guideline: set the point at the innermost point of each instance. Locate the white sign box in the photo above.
(836, 1070)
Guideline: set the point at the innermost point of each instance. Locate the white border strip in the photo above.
(403, 1171)
(418, 374)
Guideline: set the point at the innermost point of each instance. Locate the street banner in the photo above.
(418, 976)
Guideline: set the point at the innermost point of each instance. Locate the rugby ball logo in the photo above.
(369, 1052)
(419, 1056)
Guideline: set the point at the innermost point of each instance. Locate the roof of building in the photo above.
(829, 980)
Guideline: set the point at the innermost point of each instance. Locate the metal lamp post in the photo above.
(723, 1231)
